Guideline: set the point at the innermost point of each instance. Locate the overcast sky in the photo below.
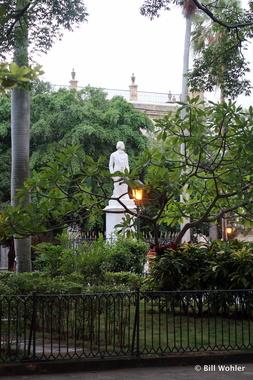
(116, 42)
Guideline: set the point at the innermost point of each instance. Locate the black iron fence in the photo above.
(48, 327)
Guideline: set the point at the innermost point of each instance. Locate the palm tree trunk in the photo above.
(186, 59)
(20, 141)
(187, 43)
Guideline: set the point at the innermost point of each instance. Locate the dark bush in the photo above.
(217, 265)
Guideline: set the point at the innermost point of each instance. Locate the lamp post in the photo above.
(229, 230)
(137, 193)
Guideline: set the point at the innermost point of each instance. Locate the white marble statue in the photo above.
(119, 162)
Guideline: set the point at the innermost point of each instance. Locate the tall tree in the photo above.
(189, 9)
(34, 23)
(236, 26)
(218, 184)
(213, 69)
(222, 62)
(90, 121)
(219, 55)
(20, 126)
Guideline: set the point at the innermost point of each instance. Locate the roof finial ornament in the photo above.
(73, 74)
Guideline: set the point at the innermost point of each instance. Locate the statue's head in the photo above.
(120, 145)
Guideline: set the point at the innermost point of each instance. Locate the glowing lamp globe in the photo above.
(137, 194)
(229, 229)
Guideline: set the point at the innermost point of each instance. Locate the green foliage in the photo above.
(74, 283)
(29, 24)
(90, 264)
(75, 187)
(94, 262)
(26, 283)
(221, 59)
(231, 265)
(57, 182)
(128, 255)
(151, 8)
(90, 120)
(40, 87)
(12, 75)
(55, 260)
(218, 265)
(216, 182)
(45, 20)
(5, 150)
(128, 280)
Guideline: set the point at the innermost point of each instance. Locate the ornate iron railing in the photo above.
(49, 327)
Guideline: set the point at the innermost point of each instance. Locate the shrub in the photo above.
(94, 261)
(26, 283)
(91, 261)
(128, 255)
(232, 265)
(130, 280)
(218, 265)
(56, 259)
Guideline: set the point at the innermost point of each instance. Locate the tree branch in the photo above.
(207, 11)
(19, 14)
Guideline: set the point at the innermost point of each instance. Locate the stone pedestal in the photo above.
(73, 84)
(133, 90)
(133, 93)
(115, 214)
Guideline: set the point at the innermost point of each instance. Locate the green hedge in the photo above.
(91, 261)
(217, 265)
(62, 269)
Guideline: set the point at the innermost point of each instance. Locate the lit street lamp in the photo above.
(229, 230)
(137, 193)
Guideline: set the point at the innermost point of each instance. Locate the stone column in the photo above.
(133, 90)
(115, 214)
